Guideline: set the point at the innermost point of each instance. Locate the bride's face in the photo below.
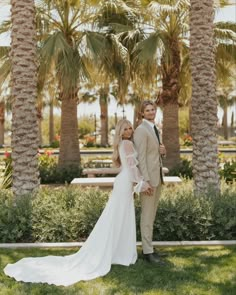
(128, 132)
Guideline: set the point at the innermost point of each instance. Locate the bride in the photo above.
(112, 240)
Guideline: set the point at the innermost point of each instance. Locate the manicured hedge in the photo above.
(69, 214)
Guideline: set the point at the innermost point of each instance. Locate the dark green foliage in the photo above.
(184, 169)
(66, 214)
(69, 214)
(229, 171)
(55, 144)
(50, 172)
(15, 218)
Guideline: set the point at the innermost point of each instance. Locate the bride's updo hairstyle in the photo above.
(120, 127)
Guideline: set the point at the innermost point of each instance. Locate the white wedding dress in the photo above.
(112, 240)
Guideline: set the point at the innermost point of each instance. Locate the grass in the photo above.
(189, 271)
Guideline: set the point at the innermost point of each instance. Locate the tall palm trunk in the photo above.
(40, 119)
(225, 122)
(24, 95)
(103, 101)
(69, 140)
(169, 99)
(171, 134)
(51, 123)
(2, 120)
(204, 104)
(137, 115)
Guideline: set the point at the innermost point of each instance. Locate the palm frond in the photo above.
(226, 25)
(5, 26)
(53, 46)
(225, 35)
(4, 51)
(146, 50)
(117, 11)
(96, 44)
(5, 72)
(226, 51)
(223, 3)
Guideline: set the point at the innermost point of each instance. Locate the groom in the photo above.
(150, 152)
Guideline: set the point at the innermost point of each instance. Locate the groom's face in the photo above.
(149, 112)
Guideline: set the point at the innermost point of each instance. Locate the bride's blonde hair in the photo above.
(120, 127)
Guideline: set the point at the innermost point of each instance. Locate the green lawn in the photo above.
(189, 271)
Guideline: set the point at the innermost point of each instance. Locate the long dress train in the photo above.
(112, 240)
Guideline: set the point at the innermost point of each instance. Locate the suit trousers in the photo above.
(148, 213)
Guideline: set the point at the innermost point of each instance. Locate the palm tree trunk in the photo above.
(24, 97)
(204, 104)
(103, 100)
(51, 123)
(171, 131)
(137, 119)
(40, 118)
(136, 116)
(225, 122)
(69, 141)
(2, 120)
(169, 100)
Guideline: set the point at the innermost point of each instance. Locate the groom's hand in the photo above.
(162, 150)
(149, 190)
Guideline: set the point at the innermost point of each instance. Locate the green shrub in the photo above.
(229, 171)
(50, 172)
(15, 218)
(184, 169)
(66, 214)
(69, 214)
(55, 144)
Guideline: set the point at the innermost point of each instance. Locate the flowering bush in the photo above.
(188, 141)
(48, 170)
(89, 141)
(56, 142)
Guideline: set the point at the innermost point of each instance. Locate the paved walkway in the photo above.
(155, 243)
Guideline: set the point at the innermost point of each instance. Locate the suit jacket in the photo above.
(147, 146)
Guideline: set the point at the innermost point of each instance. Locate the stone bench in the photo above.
(92, 172)
(107, 182)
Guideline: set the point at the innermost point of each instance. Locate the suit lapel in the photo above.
(151, 132)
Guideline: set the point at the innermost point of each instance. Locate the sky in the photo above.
(222, 14)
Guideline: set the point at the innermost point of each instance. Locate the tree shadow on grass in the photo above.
(188, 269)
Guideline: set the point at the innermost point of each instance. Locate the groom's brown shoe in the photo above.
(153, 259)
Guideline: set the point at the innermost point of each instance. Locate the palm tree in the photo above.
(63, 50)
(24, 95)
(2, 120)
(114, 65)
(165, 44)
(204, 103)
(225, 90)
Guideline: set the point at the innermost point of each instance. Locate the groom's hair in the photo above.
(145, 103)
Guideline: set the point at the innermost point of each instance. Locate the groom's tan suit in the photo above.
(147, 146)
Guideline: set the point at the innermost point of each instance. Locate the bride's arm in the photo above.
(132, 162)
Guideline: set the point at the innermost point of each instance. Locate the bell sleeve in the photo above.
(132, 162)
